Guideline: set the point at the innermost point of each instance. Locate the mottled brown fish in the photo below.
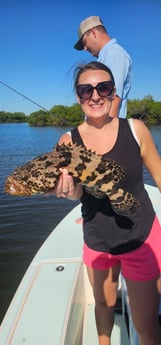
(98, 174)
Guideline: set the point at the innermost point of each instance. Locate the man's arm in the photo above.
(114, 111)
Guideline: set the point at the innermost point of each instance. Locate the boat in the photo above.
(54, 304)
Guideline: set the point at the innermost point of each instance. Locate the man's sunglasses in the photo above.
(104, 89)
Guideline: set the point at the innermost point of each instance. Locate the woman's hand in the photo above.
(65, 187)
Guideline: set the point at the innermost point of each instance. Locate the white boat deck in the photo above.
(57, 308)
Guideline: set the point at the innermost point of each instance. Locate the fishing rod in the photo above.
(20, 94)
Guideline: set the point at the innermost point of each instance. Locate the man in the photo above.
(93, 37)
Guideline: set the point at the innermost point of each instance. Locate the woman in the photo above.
(113, 242)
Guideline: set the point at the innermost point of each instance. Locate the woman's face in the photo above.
(97, 105)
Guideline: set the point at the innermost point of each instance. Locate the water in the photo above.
(25, 222)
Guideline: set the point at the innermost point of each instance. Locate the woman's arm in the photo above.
(149, 152)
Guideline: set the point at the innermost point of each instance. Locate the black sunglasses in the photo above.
(104, 89)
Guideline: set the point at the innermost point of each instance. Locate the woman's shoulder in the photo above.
(141, 130)
(139, 125)
(65, 139)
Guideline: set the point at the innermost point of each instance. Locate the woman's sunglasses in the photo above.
(104, 89)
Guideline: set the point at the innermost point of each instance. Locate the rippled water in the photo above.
(25, 222)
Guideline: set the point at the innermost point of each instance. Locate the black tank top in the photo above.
(104, 230)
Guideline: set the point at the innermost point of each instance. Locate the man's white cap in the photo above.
(86, 25)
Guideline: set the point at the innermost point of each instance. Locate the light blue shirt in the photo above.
(120, 64)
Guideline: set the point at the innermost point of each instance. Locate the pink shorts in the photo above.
(143, 263)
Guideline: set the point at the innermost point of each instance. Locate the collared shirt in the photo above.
(119, 62)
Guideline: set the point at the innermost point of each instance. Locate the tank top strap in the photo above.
(76, 138)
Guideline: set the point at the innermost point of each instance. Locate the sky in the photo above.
(37, 57)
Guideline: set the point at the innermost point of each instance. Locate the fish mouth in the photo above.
(14, 187)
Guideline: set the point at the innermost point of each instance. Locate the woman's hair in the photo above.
(94, 65)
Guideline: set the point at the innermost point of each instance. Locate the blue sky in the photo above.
(37, 56)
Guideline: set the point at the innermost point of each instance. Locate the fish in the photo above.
(98, 174)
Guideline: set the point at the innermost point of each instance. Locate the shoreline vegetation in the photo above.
(146, 109)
